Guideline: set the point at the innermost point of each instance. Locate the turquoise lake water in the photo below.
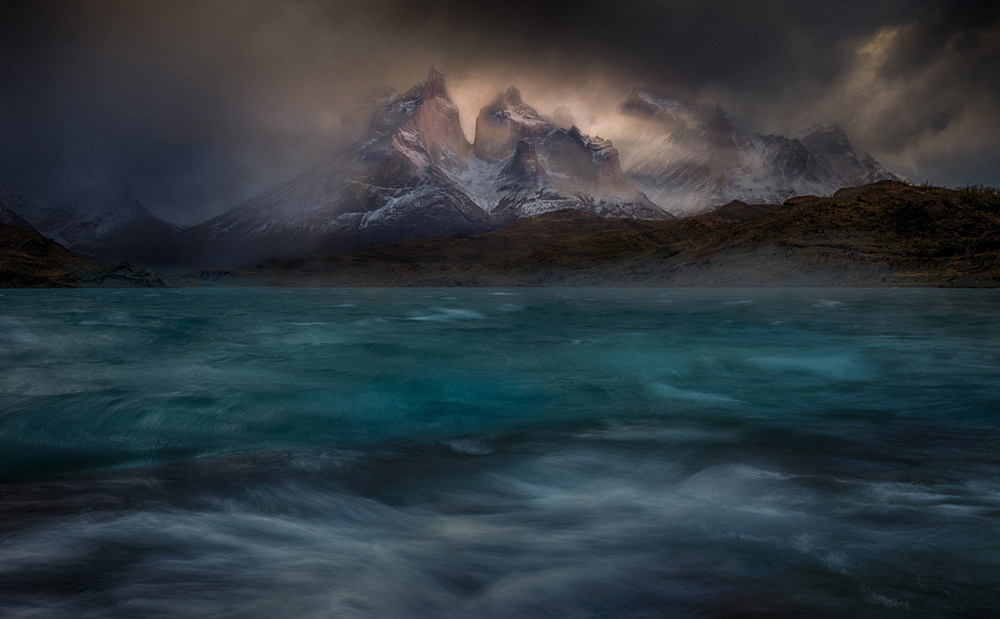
(499, 453)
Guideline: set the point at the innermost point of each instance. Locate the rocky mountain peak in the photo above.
(505, 121)
(829, 138)
(512, 96)
(421, 126)
(433, 86)
(590, 161)
(700, 156)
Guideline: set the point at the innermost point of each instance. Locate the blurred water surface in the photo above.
(499, 452)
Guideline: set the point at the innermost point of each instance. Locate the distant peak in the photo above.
(508, 100)
(433, 86)
(435, 74)
(512, 96)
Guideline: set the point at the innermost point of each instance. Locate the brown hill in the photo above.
(30, 260)
(887, 233)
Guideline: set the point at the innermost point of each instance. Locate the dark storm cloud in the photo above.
(198, 105)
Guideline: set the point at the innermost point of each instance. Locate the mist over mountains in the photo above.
(413, 174)
(689, 157)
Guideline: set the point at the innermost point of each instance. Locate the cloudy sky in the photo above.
(195, 106)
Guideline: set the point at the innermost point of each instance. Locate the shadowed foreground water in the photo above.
(499, 453)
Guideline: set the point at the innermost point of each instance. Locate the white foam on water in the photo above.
(847, 367)
(687, 395)
(469, 447)
(445, 314)
(14, 332)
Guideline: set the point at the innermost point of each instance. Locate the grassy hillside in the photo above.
(887, 233)
(30, 260)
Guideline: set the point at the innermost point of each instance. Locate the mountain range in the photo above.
(690, 157)
(98, 224)
(30, 260)
(882, 234)
(413, 174)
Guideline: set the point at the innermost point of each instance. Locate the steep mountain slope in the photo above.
(395, 182)
(11, 218)
(690, 157)
(548, 168)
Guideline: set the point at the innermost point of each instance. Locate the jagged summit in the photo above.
(410, 172)
(504, 122)
(403, 179)
(693, 157)
(828, 138)
(512, 97)
(422, 125)
(524, 163)
(433, 86)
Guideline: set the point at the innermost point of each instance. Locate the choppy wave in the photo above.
(394, 453)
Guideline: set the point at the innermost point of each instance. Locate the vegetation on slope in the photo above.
(888, 233)
(30, 260)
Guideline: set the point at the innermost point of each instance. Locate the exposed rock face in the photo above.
(411, 173)
(526, 189)
(695, 157)
(547, 168)
(396, 182)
